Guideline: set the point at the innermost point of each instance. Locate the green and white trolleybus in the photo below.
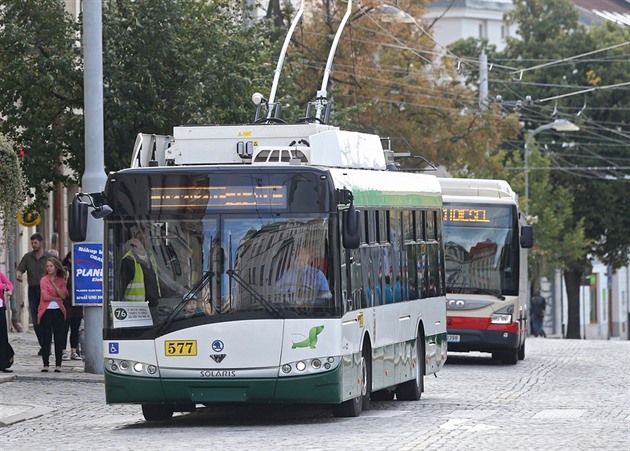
(288, 266)
(225, 235)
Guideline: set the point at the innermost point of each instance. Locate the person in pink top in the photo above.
(51, 313)
(6, 351)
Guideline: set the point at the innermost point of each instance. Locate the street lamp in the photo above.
(559, 125)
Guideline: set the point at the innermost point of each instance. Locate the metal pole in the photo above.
(530, 135)
(322, 93)
(94, 176)
(483, 80)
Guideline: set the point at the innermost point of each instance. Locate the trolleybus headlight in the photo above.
(501, 318)
(286, 369)
(316, 363)
(327, 365)
(110, 362)
(300, 366)
(330, 359)
(151, 369)
(137, 367)
(124, 365)
(113, 367)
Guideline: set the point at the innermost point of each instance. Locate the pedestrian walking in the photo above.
(537, 307)
(6, 351)
(51, 314)
(74, 315)
(34, 265)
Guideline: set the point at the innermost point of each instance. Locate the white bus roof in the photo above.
(464, 190)
(260, 144)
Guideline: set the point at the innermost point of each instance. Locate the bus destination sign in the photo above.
(453, 214)
(219, 197)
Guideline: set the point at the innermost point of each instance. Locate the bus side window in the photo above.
(422, 268)
(367, 280)
(412, 275)
(433, 272)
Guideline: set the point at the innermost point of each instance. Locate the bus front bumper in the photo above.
(325, 388)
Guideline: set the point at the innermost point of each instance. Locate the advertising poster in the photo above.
(87, 273)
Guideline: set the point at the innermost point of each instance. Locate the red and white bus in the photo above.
(486, 242)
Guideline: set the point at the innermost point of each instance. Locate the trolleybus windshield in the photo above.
(481, 249)
(227, 248)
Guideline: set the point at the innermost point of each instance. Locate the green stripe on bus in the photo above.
(373, 198)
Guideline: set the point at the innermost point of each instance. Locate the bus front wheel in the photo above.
(412, 390)
(353, 407)
(157, 412)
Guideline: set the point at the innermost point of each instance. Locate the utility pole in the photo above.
(94, 177)
(483, 80)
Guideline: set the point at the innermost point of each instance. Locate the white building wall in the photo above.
(470, 18)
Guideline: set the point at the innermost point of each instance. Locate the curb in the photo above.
(32, 412)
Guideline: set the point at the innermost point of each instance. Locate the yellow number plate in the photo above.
(180, 347)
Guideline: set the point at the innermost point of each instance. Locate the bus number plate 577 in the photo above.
(174, 348)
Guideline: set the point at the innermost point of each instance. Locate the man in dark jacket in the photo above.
(537, 307)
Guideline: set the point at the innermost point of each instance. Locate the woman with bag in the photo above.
(51, 313)
(6, 351)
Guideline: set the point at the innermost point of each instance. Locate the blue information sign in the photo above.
(87, 273)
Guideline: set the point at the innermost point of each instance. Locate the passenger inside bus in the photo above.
(191, 310)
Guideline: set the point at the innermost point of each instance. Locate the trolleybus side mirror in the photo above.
(527, 236)
(77, 220)
(351, 228)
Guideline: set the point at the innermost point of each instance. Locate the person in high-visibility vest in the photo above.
(139, 273)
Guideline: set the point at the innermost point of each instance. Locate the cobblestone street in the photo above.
(566, 395)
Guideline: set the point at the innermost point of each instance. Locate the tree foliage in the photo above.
(554, 34)
(572, 225)
(169, 63)
(41, 90)
(11, 188)
(165, 63)
(385, 80)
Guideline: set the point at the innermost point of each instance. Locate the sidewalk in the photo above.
(27, 367)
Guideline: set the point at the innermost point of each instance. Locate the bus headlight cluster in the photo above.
(131, 368)
(309, 366)
(503, 316)
(452, 304)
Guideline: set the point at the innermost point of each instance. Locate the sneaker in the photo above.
(75, 356)
(65, 357)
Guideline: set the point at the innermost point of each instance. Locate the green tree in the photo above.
(11, 188)
(169, 63)
(165, 63)
(549, 30)
(41, 90)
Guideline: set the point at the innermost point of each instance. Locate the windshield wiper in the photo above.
(261, 300)
(192, 293)
(494, 293)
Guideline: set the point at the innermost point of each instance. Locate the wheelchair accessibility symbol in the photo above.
(113, 348)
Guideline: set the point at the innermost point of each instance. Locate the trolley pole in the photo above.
(94, 176)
